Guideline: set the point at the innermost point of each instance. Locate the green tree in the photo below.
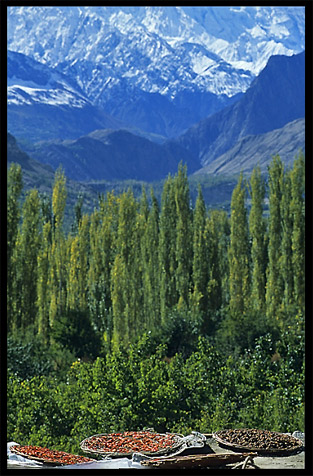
(57, 275)
(120, 317)
(167, 248)
(297, 210)
(137, 320)
(239, 276)
(99, 270)
(274, 284)
(43, 260)
(200, 267)
(73, 295)
(46, 207)
(25, 262)
(75, 332)
(217, 233)
(183, 237)
(14, 190)
(286, 248)
(83, 236)
(78, 212)
(124, 271)
(257, 229)
(150, 266)
(59, 195)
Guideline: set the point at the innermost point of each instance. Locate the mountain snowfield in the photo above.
(157, 49)
(30, 82)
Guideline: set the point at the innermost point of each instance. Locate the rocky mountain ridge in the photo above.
(157, 57)
(259, 149)
(161, 84)
(276, 97)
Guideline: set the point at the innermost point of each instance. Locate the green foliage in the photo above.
(257, 230)
(14, 190)
(133, 388)
(217, 233)
(167, 248)
(184, 320)
(74, 331)
(200, 264)
(28, 355)
(179, 332)
(274, 285)
(238, 252)
(23, 276)
(297, 211)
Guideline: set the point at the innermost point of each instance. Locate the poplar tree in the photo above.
(217, 238)
(274, 284)
(25, 261)
(124, 307)
(78, 267)
(95, 271)
(239, 279)
(46, 208)
(84, 247)
(120, 317)
(200, 266)
(99, 296)
(286, 248)
(167, 248)
(78, 212)
(257, 229)
(144, 206)
(297, 210)
(135, 269)
(73, 293)
(102, 237)
(150, 260)
(43, 297)
(57, 275)
(14, 190)
(183, 237)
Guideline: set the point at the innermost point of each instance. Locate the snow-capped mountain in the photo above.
(255, 126)
(45, 104)
(161, 50)
(157, 70)
(30, 82)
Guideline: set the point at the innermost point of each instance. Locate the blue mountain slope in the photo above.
(275, 98)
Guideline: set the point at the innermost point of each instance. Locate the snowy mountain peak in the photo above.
(30, 82)
(157, 68)
(149, 46)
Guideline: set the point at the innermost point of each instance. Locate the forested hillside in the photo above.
(153, 313)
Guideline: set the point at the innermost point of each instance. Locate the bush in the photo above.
(75, 332)
(132, 388)
(179, 332)
(29, 356)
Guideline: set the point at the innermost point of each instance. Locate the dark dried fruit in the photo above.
(258, 440)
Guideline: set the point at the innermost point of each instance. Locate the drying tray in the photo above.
(176, 439)
(197, 460)
(18, 449)
(295, 444)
